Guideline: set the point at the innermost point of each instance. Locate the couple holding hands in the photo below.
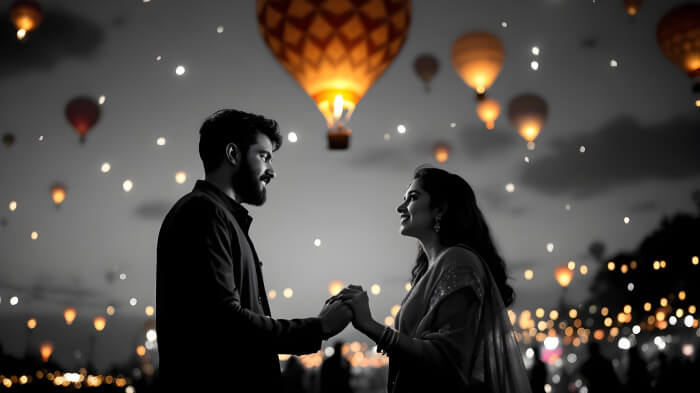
(215, 332)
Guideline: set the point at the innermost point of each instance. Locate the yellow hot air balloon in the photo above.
(478, 58)
(46, 351)
(99, 322)
(58, 194)
(488, 111)
(26, 15)
(632, 6)
(441, 151)
(69, 315)
(334, 287)
(528, 113)
(335, 49)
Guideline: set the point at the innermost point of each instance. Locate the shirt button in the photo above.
(260, 299)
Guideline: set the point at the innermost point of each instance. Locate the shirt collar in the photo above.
(238, 211)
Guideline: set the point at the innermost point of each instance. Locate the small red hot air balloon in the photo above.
(82, 113)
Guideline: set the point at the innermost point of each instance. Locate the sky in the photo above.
(637, 121)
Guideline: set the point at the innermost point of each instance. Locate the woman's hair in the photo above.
(461, 222)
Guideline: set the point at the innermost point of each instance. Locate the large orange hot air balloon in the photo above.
(26, 15)
(527, 113)
(335, 49)
(678, 35)
(426, 66)
(82, 113)
(478, 58)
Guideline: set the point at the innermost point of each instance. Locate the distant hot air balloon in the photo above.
(335, 49)
(8, 140)
(69, 315)
(632, 6)
(335, 286)
(82, 113)
(678, 35)
(46, 351)
(488, 110)
(528, 113)
(58, 194)
(426, 66)
(478, 58)
(26, 15)
(441, 151)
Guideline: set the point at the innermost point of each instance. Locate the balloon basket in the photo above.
(338, 139)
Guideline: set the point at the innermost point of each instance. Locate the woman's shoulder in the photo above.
(459, 257)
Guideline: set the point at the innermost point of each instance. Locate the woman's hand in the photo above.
(358, 300)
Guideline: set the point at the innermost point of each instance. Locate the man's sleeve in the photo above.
(212, 250)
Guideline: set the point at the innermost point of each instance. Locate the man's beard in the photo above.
(247, 186)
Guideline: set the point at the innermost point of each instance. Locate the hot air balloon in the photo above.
(335, 286)
(426, 66)
(677, 34)
(527, 113)
(563, 275)
(441, 151)
(8, 140)
(58, 194)
(335, 50)
(478, 58)
(632, 6)
(488, 110)
(99, 323)
(46, 351)
(82, 113)
(26, 15)
(69, 315)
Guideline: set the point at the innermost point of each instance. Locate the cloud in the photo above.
(60, 35)
(621, 152)
(643, 207)
(153, 210)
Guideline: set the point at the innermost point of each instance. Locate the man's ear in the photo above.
(233, 154)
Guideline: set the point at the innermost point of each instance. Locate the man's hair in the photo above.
(232, 126)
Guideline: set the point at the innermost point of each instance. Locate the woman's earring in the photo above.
(436, 227)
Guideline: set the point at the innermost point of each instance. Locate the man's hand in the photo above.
(334, 317)
(357, 299)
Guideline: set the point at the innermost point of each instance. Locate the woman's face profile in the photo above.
(415, 214)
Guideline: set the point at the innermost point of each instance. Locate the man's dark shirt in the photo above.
(213, 318)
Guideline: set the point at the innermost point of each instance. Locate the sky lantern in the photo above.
(528, 112)
(335, 50)
(82, 113)
(26, 15)
(441, 151)
(478, 58)
(632, 6)
(563, 275)
(335, 286)
(488, 110)
(677, 34)
(69, 315)
(99, 322)
(58, 194)
(46, 351)
(426, 66)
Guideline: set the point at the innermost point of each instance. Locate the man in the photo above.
(213, 319)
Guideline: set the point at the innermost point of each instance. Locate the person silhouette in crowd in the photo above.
(538, 373)
(293, 376)
(335, 372)
(599, 372)
(638, 376)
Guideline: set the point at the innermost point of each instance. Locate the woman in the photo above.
(453, 331)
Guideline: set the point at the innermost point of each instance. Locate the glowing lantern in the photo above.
(335, 50)
(69, 315)
(8, 140)
(528, 113)
(335, 287)
(563, 275)
(426, 66)
(31, 323)
(441, 152)
(478, 58)
(488, 111)
(46, 351)
(677, 34)
(58, 194)
(26, 15)
(82, 113)
(632, 6)
(99, 322)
